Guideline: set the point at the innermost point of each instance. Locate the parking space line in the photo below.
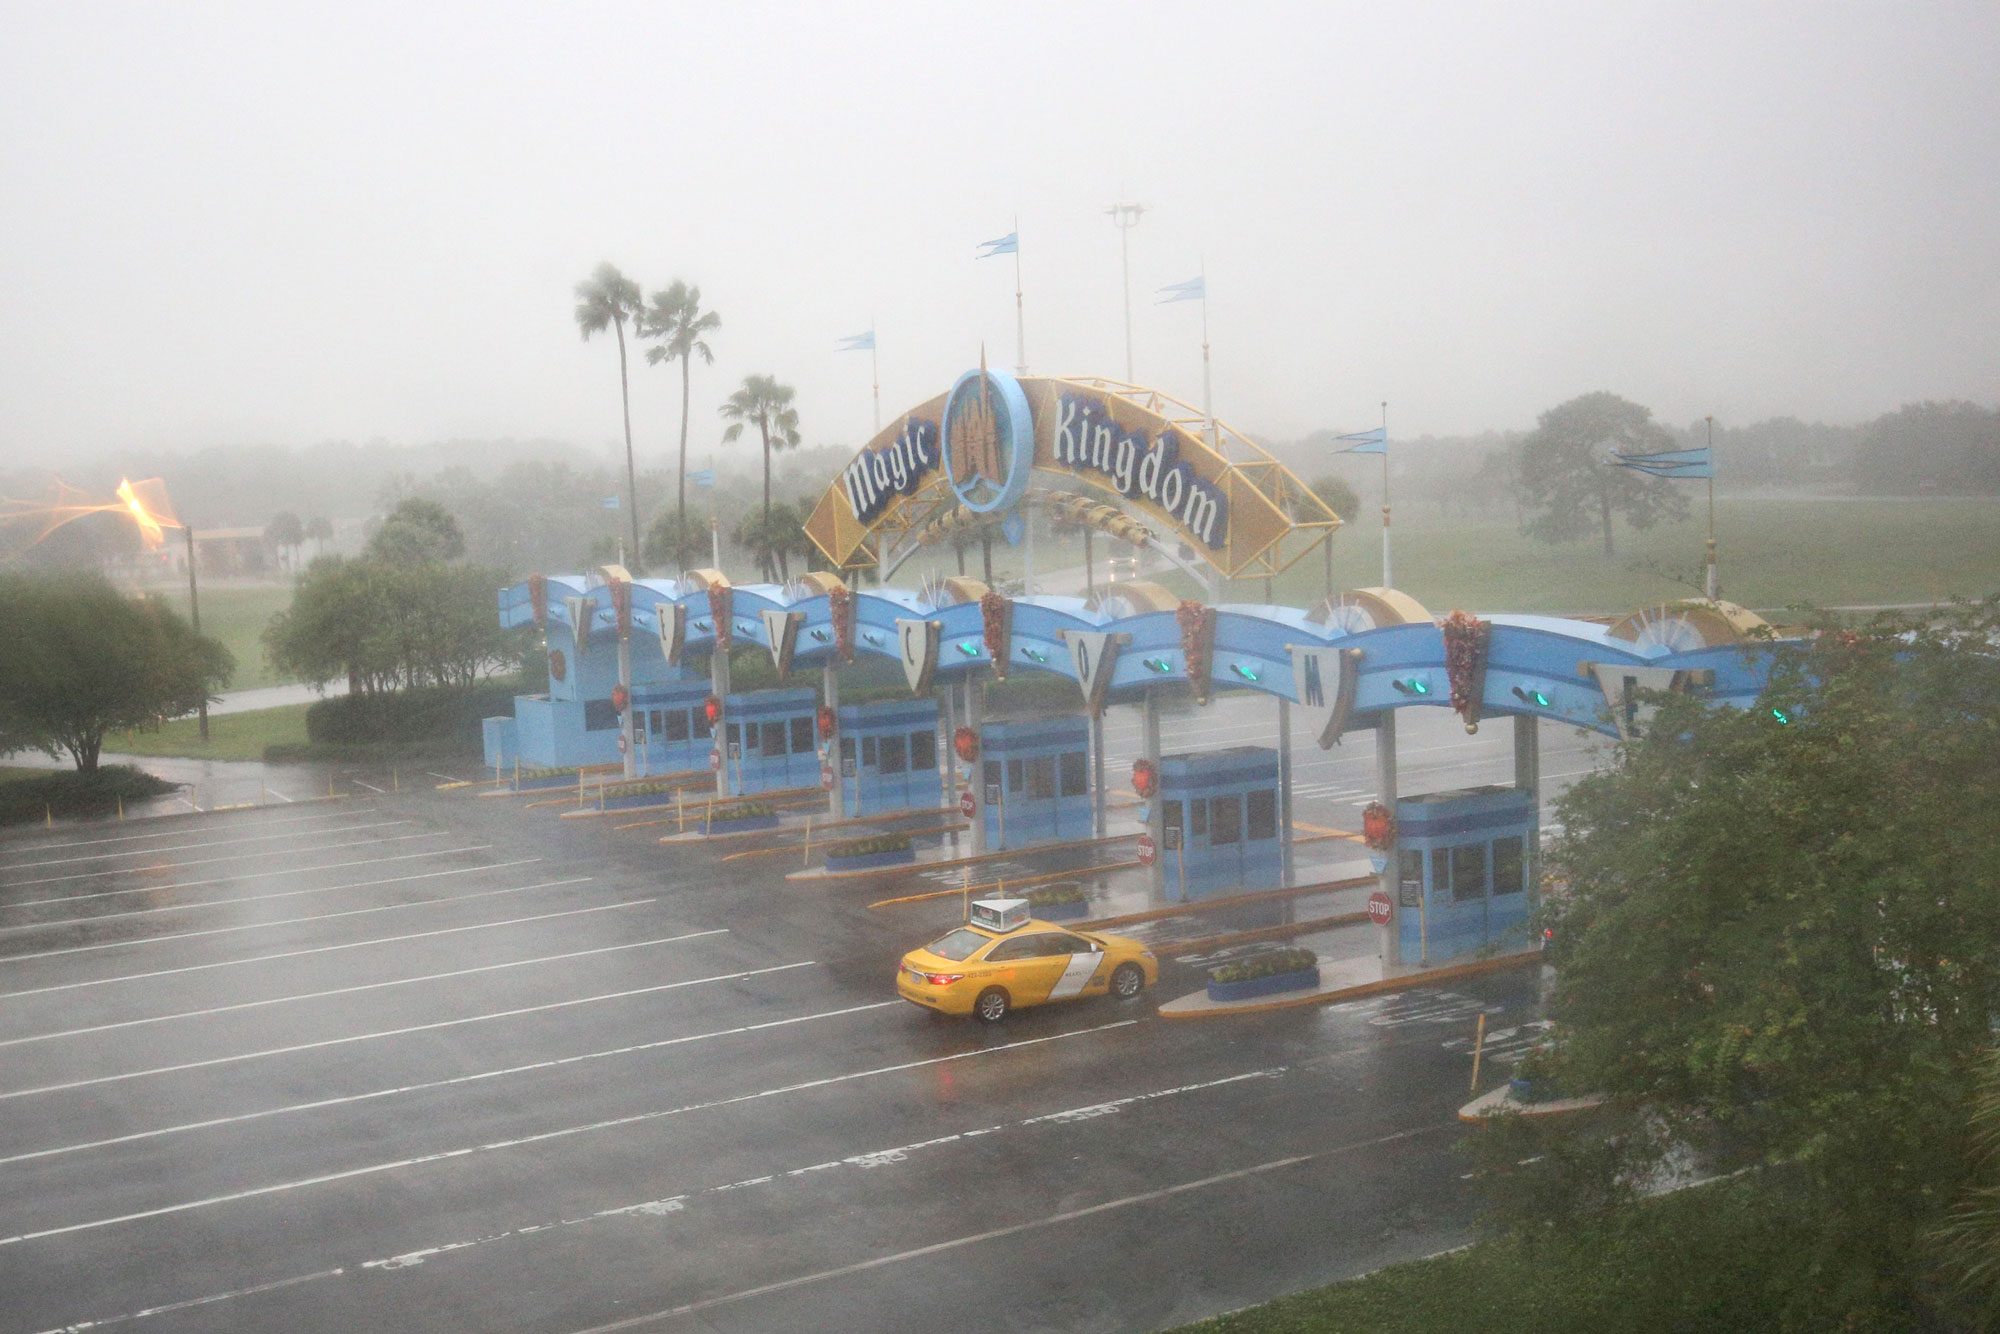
(370, 786)
(546, 1136)
(178, 847)
(207, 861)
(400, 1032)
(223, 903)
(476, 1077)
(316, 917)
(178, 830)
(192, 1302)
(379, 986)
(279, 795)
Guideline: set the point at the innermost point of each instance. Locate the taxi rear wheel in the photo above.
(991, 1007)
(1128, 981)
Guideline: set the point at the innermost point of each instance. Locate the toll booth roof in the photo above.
(888, 712)
(655, 692)
(1232, 764)
(766, 703)
(1025, 732)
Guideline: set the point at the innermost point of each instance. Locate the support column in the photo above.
(947, 699)
(974, 709)
(1285, 870)
(1528, 755)
(625, 728)
(718, 685)
(1149, 747)
(1097, 773)
(1385, 792)
(829, 690)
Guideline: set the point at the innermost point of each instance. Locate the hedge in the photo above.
(1068, 892)
(868, 847)
(1268, 964)
(428, 716)
(70, 793)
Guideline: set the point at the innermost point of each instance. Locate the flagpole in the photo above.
(1207, 382)
(875, 373)
(1387, 580)
(1020, 323)
(1713, 581)
(714, 525)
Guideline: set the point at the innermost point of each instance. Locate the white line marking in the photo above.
(205, 861)
(993, 1235)
(294, 1281)
(378, 986)
(180, 847)
(541, 1137)
(224, 903)
(178, 830)
(490, 1015)
(279, 795)
(317, 917)
(370, 786)
(552, 1063)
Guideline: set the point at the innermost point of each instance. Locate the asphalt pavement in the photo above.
(422, 1060)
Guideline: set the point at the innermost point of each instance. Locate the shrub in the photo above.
(434, 715)
(749, 810)
(73, 793)
(1051, 896)
(1268, 964)
(868, 847)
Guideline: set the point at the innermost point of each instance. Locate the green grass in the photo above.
(237, 617)
(1773, 554)
(231, 736)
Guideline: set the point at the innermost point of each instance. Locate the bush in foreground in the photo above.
(71, 794)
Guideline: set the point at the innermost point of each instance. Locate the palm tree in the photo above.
(764, 402)
(605, 300)
(679, 321)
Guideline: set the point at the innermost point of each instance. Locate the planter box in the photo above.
(546, 782)
(900, 857)
(1299, 979)
(1060, 912)
(626, 801)
(719, 825)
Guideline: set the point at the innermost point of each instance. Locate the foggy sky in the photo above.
(232, 224)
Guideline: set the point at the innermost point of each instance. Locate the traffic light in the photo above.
(1412, 685)
(1784, 719)
(1534, 697)
(1159, 665)
(1245, 672)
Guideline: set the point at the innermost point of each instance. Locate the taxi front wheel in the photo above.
(1127, 981)
(991, 1007)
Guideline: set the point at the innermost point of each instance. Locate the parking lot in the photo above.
(418, 1060)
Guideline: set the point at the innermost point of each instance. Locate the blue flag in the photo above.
(702, 477)
(609, 502)
(861, 342)
(1366, 442)
(999, 245)
(1670, 462)
(1194, 289)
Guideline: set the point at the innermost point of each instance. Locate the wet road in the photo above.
(423, 1061)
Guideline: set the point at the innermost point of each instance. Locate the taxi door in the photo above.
(1031, 965)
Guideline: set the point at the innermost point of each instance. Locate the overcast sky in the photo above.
(226, 224)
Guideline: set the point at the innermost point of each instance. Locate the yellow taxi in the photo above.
(1003, 959)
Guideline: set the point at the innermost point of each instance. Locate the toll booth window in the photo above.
(847, 750)
(1042, 776)
(677, 724)
(599, 716)
(1507, 876)
(1015, 782)
(1440, 870)
(891, 753)
(774, 738)
(868, 751)
(1410, 881)
(1468, 871)
(993, 774)
(1075, 774)
(1198, 816)
(702, 728)
(749, 733)
(1260, 819)
(1225, 821)
(923, 751)
(1171, 811)
(802, 735)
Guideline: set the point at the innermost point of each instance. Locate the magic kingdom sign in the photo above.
(973, 452)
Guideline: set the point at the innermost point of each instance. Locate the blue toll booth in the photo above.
(889, 755)
(670, 727)
(1036, 776)
(1466, 878)
(1220, 812)
(771, 741)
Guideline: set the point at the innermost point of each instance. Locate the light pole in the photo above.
(1713, 582)
(1125, 217)
(194, 616)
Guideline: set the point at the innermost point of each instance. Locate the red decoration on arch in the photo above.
(840, 609)
(1378, 827)
(1145, 779)
(620, 697)
(711, 709)
(621, 606)
(1465, 640)
(538, 599)
(996, 618)
(719, 601)
(828, 721)
(1197, 623)
(965, 742)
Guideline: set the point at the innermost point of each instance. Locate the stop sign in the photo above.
(1147, 851)
(966, 805)
(1379, 908)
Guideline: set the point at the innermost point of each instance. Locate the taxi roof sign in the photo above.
(999, 914)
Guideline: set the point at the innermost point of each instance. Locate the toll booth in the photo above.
(770, 739)
(670, 729)
(1466, 873)
(1220, 815)
(1036, 776)
(889, 755)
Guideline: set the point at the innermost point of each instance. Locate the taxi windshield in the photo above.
(958, 945)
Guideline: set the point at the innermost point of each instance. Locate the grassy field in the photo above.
(231, 736)
(1774, 554)
(237, 616)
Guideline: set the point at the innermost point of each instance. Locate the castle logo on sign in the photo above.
(989, 440)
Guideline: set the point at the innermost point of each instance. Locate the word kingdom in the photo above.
(1137, 465)
(876, 476)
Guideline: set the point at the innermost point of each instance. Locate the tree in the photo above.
(79, 660)
(605, 300)
(319, 531)
(772, 538)
(767, 405)
(387, 624)
(418, 531)
(1564, 476)
(1338, 496)
(676, 542)
(1777, 937)
(286, 532)
(1952, 448)
(679, 321)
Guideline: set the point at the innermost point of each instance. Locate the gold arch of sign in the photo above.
(1282, 520)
